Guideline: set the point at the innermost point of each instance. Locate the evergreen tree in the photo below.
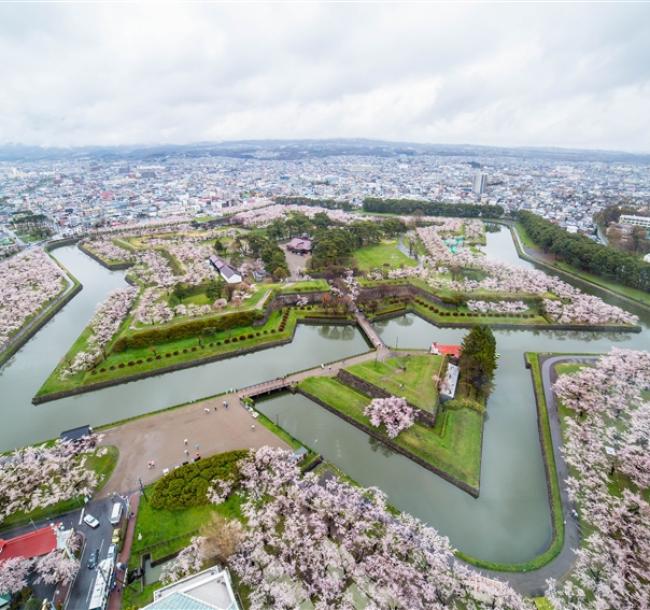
(478, 358)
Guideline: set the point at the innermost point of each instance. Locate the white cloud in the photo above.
(504, 74)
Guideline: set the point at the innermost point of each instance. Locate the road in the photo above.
(534, 582)
(99, 538)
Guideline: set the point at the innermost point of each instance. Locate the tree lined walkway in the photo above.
(25, 333)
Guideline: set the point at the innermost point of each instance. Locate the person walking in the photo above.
(185, 442)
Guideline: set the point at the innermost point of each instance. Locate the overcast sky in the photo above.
(501, 74)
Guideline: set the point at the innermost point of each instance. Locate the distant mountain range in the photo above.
(300, 149)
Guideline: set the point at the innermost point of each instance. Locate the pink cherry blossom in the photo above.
(392, 412)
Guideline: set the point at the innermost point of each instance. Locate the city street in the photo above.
(99, 538)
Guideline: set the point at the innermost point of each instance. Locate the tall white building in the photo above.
(480, 182)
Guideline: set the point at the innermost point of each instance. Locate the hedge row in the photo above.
(187, 485)
(284, 320)
(185, 350)
(471, 314)
(183, 330)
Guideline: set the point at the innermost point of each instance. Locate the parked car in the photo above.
(91, 521)
(116, 515)
(112, 552)
(93, 559)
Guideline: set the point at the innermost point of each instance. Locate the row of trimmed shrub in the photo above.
(186, 350)
(284, 320)
(185, 329)
(187, 485)
(491, 314)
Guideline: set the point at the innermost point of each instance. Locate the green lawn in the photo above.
(408, 376)
(317, 285)
(103, 466)
(165, 532)
(133, 361)
(381, 255)
(452, 445)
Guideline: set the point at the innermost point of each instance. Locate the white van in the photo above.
(116, 515)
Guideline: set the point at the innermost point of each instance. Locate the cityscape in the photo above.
(293, 320)
(79, 194)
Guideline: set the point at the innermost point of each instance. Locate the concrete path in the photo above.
(297, 263)
(161, 438)
(115, 598)
(534, 582)
(369, 331)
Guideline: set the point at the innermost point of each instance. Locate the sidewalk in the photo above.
(115, 598)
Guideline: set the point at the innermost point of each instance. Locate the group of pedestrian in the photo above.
(206, 410)
(197, 455)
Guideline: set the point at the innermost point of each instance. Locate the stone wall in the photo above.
(368, 389)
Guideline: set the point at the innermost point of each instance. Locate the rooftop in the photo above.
(207, 590)
(32, 544)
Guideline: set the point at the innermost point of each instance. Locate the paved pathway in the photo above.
(160, 438)
(115, 598)
(534, 582)
(296, 263)
(370, 332)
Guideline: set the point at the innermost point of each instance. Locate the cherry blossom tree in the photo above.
(106, 249)
(330, 544)
(569, 305)
(29, 280)
(56, 567)
(188, 561)
(14, 573)
(606, 444)
(497, 306)
(36, 477)
(393, 413)
(107, 320)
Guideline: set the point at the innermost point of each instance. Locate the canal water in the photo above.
(509, 522)
(21, 377)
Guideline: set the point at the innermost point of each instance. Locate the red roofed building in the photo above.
(32, 544)
(443, 349)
